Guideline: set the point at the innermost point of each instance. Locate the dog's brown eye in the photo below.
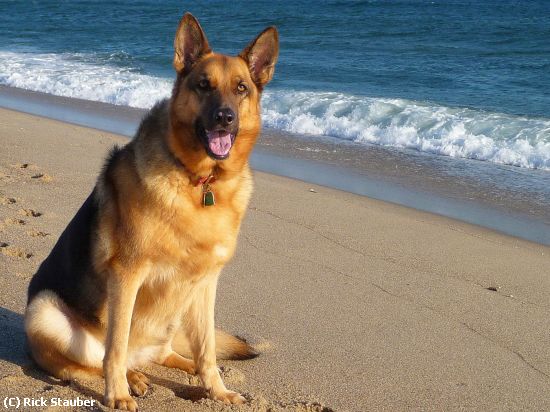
(241, 88)
(204, 84)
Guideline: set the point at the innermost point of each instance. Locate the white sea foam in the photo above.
(75, 75)
(458, 132)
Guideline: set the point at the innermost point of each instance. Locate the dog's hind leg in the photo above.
(58, 342)
(175, 360)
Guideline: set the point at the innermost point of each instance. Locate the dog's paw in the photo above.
(125, 403)
(229, 397)
(138, 383)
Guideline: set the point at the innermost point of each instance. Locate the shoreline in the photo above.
(503, 198)
(354, 303)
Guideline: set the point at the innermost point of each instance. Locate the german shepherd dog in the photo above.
(133, 277)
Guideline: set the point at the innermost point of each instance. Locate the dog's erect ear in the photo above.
(190, 44)
(261, 56)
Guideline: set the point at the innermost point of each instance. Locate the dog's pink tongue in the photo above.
(219, 142)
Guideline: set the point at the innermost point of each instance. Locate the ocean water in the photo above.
(466, 79)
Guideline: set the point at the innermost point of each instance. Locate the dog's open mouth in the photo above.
(219, 143)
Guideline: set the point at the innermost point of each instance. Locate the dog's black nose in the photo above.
(224, 116)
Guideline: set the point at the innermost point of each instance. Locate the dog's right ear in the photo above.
(190, 44)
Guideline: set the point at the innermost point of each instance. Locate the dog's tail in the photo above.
(227, 346)
(233, 347)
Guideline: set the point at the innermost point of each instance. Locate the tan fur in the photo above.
(158, 250)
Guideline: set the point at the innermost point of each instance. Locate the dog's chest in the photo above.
(181, 261)
(176, 232)
(193, 241)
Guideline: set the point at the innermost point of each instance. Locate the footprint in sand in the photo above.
(7, 200)
(36, 173)
(259, 403)
(13, 221)
(29, 166)
(231, 375)
(29, 212)
(42, 177)
(13, 251)
(37, 233)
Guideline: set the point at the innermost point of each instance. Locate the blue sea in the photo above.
(466, 79)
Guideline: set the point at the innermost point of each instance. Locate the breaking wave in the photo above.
(458, 132)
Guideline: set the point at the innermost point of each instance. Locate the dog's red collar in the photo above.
(208, 198)
(205, 180)
(201, 180)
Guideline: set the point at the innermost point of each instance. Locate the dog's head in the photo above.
(216, 98)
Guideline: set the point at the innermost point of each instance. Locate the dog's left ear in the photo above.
(190, 44)
(261, 56)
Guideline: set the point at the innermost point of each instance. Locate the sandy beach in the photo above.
(356, 304)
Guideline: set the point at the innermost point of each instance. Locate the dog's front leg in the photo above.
(122, 288)
(199, 320)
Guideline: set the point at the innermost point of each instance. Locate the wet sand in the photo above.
(356, 304)
(509, 199)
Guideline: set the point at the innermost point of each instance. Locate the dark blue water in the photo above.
(486, 54)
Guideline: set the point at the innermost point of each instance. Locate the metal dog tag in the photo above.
(208, 198)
